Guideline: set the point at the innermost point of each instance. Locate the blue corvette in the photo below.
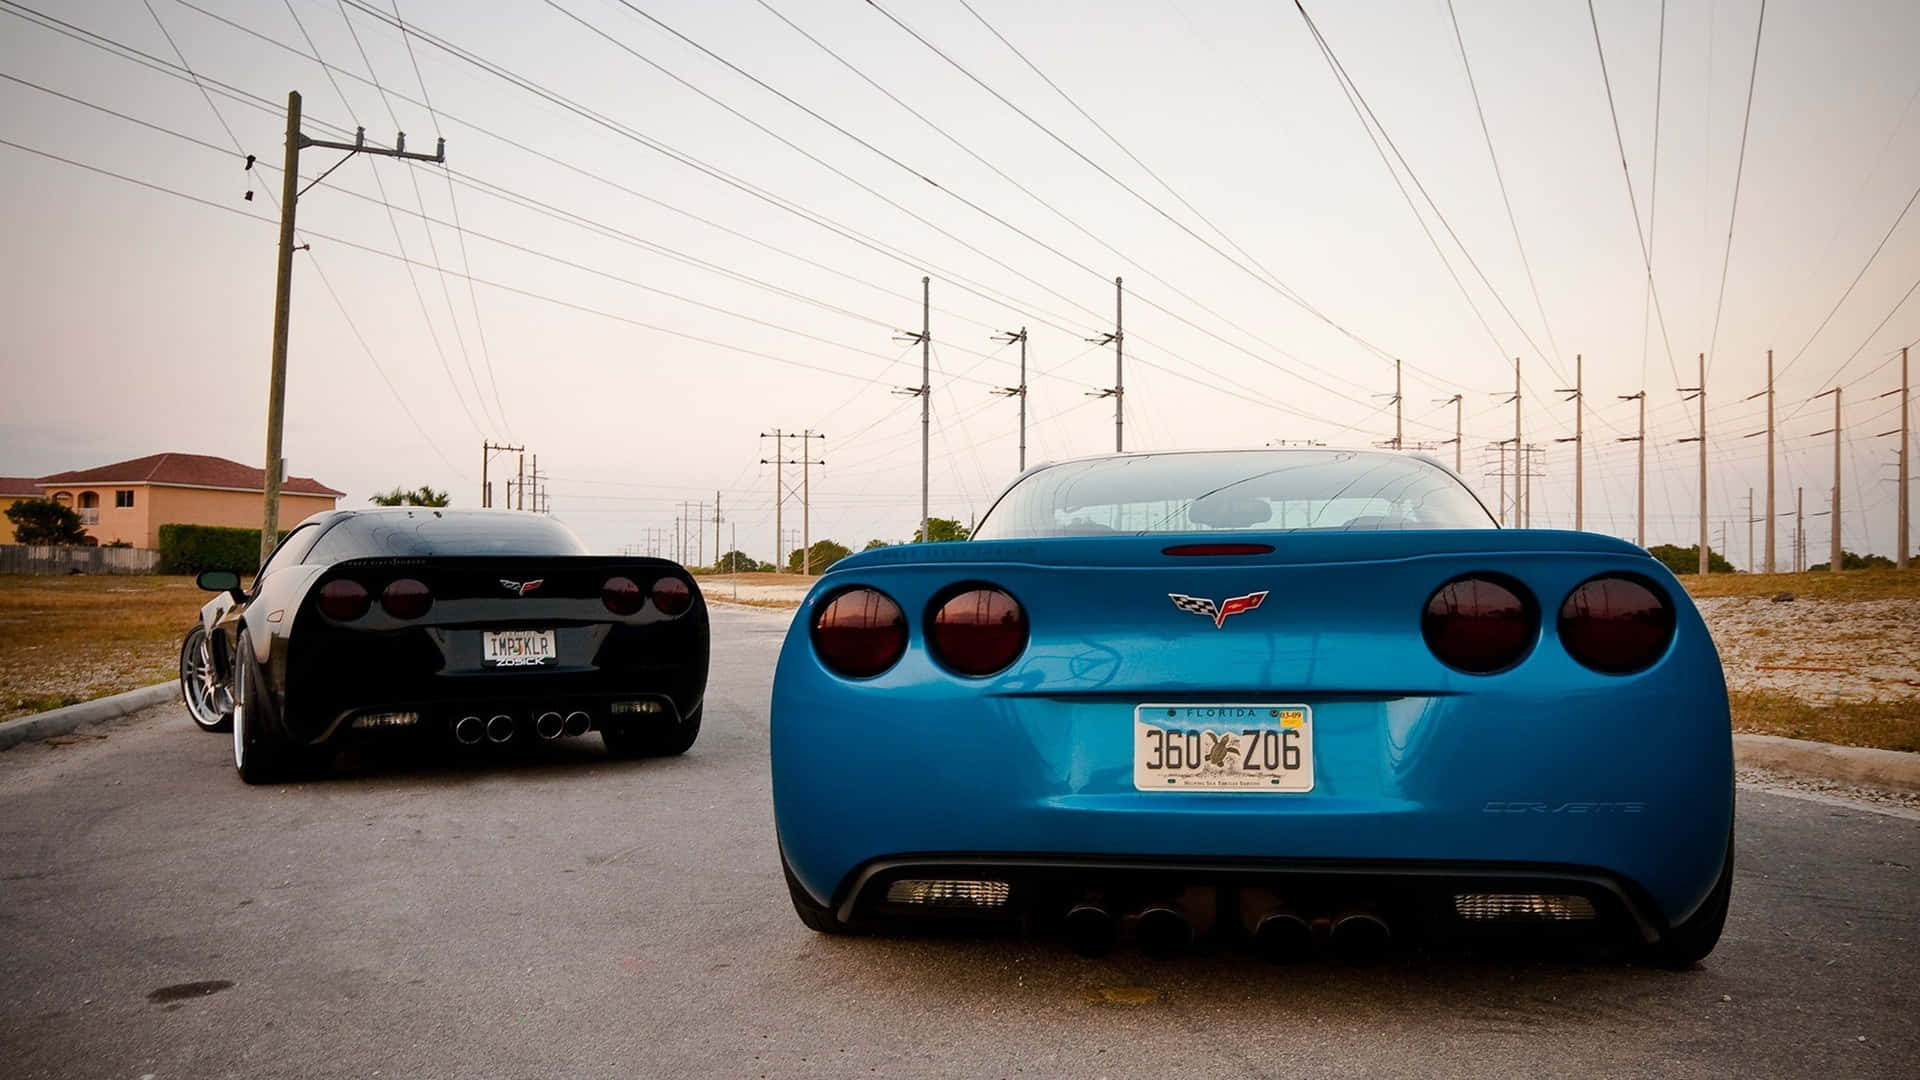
(1290, 698)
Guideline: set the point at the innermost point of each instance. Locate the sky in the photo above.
(665, 229)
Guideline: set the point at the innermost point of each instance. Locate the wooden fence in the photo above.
(50, 559)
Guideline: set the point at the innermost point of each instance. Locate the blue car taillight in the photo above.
(1481, 624)
(859, 633)
(1616, 624)
(977, 630)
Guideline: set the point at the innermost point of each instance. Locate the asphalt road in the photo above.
(563, 915)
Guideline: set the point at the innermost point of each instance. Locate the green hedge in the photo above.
(189, 549)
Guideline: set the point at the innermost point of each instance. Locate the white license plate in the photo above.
(518, 648)
(1223, 748)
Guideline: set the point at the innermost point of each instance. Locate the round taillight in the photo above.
(978, 631)
(406, 599)
(344, 600)
(1480, 624)
(859, 633)
(672, 596)
(1616, 624)
(621, 595)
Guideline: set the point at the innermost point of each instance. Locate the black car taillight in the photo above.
(1480, 623)
(406, 599)
(621, 595)
(672, 596)
(1616, 624)
(859, 633)
(344, 600)
(978, 630)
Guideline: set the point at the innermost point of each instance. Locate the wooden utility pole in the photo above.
(1456, 440)
(716, 531)
(1640, 485)
(1501, 448)
(290, 192)
(924, 392)
(1020, 391)
(1579, 445)
(1118, 390)
(1769, 458)
(1750, 562)
(1833, 562)
(1398, 433)
(1906, 476)
(1799, 530)
(779, 493)
(1699, 393)
(806, 499)
(487, 450)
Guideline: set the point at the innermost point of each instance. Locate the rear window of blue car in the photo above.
(423, 532)
(1234, 491)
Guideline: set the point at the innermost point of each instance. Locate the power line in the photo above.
(1640, 234)
(1856, 280)
(1739, 169)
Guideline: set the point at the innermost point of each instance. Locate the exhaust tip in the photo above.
(578, 722)
(1089, 930)
(549, 725)
(1360, 939)
(1163, 932)
(469, 730)
(500, 728)
(1282, 938)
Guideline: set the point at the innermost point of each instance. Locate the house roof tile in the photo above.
(184, 470)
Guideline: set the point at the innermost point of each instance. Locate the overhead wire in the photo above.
(1726, 259)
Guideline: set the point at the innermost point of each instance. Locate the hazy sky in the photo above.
(639, 321)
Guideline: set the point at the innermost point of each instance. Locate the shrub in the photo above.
(190, 549)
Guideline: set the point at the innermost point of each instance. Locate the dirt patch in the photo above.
(64, 640)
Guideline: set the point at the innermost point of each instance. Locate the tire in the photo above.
(1689, 943)
(209, 702)
(818, 919)
(670, 740)
(257, 756)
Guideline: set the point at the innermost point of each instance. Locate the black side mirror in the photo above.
(218, 580)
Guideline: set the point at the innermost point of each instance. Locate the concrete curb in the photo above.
(47, 725)
(1853, 764)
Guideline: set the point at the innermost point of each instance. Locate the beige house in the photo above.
(129, 500)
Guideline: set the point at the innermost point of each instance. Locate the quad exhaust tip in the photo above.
(500, 729)
(1360, 939)
(549, 725)
(1163, 931)
(469, 730)
(578, 722)
(1089, 929)
(1282, 937)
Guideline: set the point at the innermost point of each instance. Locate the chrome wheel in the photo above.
(240, 715)
(207, 698)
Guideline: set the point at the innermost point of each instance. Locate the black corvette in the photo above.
(465, 626)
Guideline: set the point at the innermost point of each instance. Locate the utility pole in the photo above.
(1799, 530)
(1455, 402)
(520, 486)
(1900, 528)
(1501, 448)
(1769, 433)
(536, 483)
(1699, 393)
(1118, 390)
(806, 499)
(716, 531)
(290, 192)
(1640, 486)
(696, 527)
(924, 392)
(1020, 391)
(779, 491)
(1517, 445)
(1833, 563)
(1579, 445)
(487, 450)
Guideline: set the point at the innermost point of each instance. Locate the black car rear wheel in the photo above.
(653, 740)
(257, 756)
(209, 702)
(817, 917)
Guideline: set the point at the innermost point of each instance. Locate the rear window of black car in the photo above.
(423, 532)
(1234, 491)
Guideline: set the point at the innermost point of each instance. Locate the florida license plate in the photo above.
(518, 648)
(1223, 748)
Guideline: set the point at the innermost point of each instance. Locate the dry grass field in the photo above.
(1839, 663)
(70, 639)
